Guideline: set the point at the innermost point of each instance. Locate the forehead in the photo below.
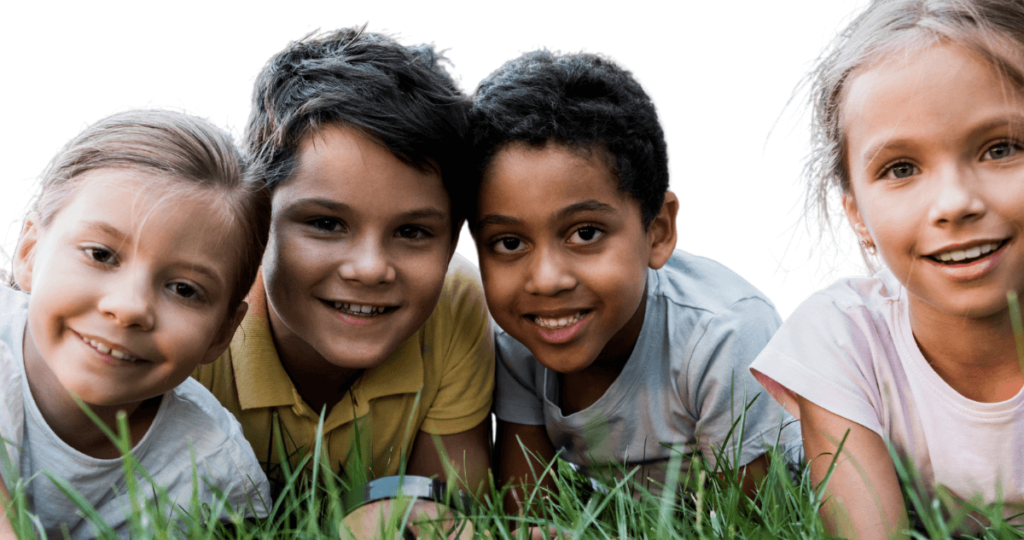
(340, 164)
(548, 177)
(938, 92)
(152, 211)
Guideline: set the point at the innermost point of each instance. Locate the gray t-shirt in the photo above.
(684, 386)
(189, 420)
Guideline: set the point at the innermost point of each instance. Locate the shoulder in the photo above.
(462, 290)
(854, 305)
(699, 301)
(691, 282)
(195, 418)
(515, 357)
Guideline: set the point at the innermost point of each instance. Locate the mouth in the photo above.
(968, 255)
(367, 311)
(112, 351)
(557, 323)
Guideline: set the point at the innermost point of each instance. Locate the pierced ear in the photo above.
(24, 254)
(225, 335)
(855, 219)
(661, 234)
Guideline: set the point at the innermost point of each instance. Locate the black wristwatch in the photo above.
(419, 487)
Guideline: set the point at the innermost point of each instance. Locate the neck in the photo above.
(69, 421)
(319, 383)
(977, 357)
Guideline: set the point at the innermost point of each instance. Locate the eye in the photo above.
(326, 224)
(413, 232)
(100, 254)
(1001, 150)
(185, 290)
(585, 235)
(901, 170)
(507, 244)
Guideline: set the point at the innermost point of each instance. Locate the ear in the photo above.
(24, 254)
(661, 234)
(856, 220)
(225, 335)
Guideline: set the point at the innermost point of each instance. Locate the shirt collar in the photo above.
(263, 382)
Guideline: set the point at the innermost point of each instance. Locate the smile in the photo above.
(562, 329)
(359, 310)
(559, 323)
(103, 349)
(968, 255)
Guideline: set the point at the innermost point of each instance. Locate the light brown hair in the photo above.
(176, 147)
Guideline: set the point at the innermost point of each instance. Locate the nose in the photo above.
(550, 273)
(957, 199)
(367, 262)
(128, 301)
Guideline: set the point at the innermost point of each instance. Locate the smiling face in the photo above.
(564, 254)
(129, 286)
(359, 247)
(935, 139)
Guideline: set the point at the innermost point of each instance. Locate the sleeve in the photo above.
(466, 389)
(733, 419)
(515, 399)
(12, 416)
(823, 353)
(249, 488)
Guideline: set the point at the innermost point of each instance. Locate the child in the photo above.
(136, 257)
(358, 314)
(918, 128)
(614, 348)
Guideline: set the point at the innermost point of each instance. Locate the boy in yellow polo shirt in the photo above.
(360, 310)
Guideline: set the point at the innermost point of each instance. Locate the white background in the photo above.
(720, 73)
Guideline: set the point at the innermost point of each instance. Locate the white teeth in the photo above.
(970, 253)
(558, 324)
(112, 352)
(358, 309)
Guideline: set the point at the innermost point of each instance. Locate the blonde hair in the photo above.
(994, 29)
(176, 147)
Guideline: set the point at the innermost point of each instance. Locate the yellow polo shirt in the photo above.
(449, 361)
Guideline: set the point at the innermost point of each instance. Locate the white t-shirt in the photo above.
(683, 388)
(850, 350)
(189, 420)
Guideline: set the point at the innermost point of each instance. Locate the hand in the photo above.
(427, 519)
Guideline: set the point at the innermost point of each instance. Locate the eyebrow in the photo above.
(116, 233)
(426, 212)
(583, 206)
(201, 269)
(1014, 122)
(106, 228)
(498, 220)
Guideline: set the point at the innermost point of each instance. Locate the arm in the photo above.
(467, 452)
(516, 466)
(750, 475)
(6, 531)
(862, 498)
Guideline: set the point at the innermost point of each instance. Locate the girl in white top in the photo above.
(919, 130)
(135, 259)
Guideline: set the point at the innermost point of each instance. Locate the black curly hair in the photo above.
(399, 96)
(582, 100)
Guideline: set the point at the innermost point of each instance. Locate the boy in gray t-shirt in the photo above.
(614, 345)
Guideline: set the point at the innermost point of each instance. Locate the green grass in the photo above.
(698, 503)
(705, 503)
